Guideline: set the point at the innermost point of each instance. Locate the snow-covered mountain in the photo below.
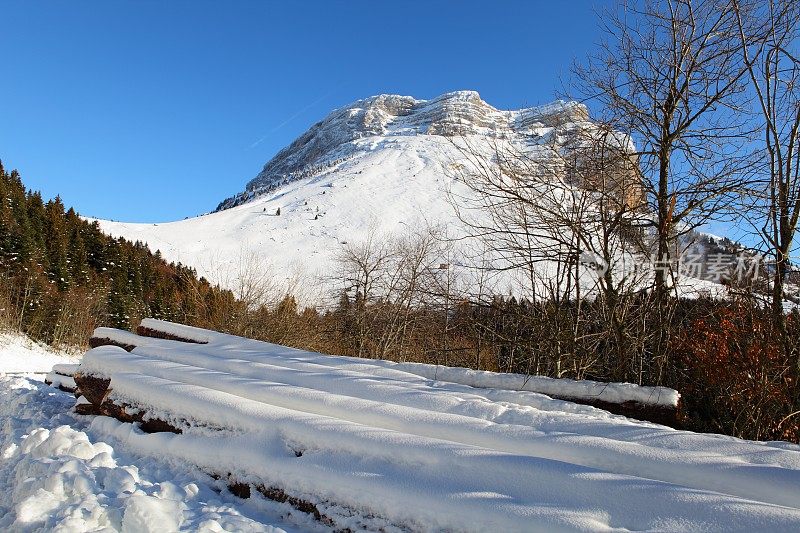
(461, 113)
(380, 166)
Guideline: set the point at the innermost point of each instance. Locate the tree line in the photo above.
(60, 276)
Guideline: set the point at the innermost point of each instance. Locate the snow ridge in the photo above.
(452, 114)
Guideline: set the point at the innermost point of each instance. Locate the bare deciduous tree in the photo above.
(669, 75)
(567, 214)
(769, 34)
(391, 279)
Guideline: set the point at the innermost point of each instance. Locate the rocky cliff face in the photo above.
(452, 114)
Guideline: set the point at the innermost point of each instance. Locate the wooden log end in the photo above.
(156, 425)
(241, 490)
(88, 409)
(95, 342)
(94, 389)
(657, 414)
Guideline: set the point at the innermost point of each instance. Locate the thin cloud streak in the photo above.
(294, 116)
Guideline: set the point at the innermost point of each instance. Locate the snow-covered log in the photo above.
(62, 377)
(96, 342)
(384, 440)
(654, 404)
(96, 390)
(159, 329)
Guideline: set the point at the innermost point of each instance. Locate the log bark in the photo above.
(95, 342)
(96, 390)
(156, 334)
(658, 414)
(278, 495)
(93, 388)
(88, 409)
(244, 490)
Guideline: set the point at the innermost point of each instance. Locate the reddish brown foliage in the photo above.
(738, 377)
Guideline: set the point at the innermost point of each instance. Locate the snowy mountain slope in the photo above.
(388, 186)
(21, 355)
(460, 113)
(431, 455)
(381, 166)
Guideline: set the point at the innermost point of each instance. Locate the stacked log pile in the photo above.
(98, 402)
(375, 445)
(649, 409)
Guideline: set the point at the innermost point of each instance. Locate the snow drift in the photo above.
(56, 474)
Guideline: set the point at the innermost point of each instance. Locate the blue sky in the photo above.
(154, 111)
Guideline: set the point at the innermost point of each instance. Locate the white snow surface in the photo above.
(367, 441)
(19, 354)
(57, 474)
(58, 380)
(565, 388)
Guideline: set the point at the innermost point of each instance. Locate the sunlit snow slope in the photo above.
(390, 185)
(383, 165)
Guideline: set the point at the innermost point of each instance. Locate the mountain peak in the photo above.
(451, 114)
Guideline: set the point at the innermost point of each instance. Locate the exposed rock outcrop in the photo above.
(331, 140)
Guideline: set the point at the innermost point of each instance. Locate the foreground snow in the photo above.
(56, 474)
(364, 441)
(373, 446)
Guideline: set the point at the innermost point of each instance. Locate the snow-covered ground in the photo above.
(20, 355)
(57, 474)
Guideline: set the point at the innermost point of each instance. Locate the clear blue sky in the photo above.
(153, 111)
